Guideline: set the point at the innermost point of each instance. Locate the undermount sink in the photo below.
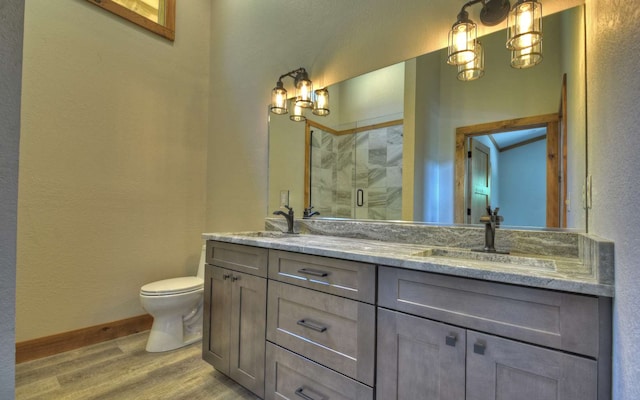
(512, 260)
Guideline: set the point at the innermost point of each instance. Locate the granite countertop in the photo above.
(571, 274)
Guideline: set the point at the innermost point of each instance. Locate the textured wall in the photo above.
(112, 162)
(613, 55)
(11, 28)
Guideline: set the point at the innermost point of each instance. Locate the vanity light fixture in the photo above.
(524, 36)
(305, 97)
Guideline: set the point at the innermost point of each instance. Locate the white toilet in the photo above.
(176, 307)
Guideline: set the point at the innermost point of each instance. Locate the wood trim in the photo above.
(59, 343)
(553, 187)
(563, 135)
(507, 125)
(459, 195)
(168, 30)
(323, 127)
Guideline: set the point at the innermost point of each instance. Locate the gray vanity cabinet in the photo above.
(234, 319)
(424, 359)
(450, 359)
(321, 328)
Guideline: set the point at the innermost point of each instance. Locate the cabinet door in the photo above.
(503, 369)
(216, 312)
(419, 358)
(248, 321)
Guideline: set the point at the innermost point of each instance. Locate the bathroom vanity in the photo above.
(346, 316)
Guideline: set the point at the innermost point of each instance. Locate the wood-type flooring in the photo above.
(122, 369)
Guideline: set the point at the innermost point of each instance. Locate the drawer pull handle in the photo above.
(311, 325)
(479, 348)
(451, 340)
(314, 272)
(300, 392)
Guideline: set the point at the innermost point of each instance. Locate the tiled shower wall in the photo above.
(369, 161)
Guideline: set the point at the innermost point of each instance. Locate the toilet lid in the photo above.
(172, 286)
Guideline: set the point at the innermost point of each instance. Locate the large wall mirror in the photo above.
(157, 16)
(395, 145)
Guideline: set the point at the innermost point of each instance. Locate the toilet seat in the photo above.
(172, 286)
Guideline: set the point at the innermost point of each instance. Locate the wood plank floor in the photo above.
(122, 369)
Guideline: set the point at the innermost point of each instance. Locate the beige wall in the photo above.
(112, 162)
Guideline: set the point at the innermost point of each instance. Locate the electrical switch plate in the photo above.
(284, 198)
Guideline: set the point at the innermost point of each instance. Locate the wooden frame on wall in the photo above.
(166, 30)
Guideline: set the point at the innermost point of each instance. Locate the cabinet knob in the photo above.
(234, 278)
(226, 276)
(479, 348)
(451, 340)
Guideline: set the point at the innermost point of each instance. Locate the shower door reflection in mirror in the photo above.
(356, 173)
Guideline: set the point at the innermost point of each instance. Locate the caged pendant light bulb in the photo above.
(474, 69)
(279, 99)
(524, 27)
(296, 113)
(527, 57)
(462, 40)
(321, 103)
(304, 90)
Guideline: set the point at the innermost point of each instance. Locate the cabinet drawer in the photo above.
(336, 332)
(349, 279)
(290, 376)
(237, 257)
(554, 319)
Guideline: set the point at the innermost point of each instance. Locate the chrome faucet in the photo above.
(308, 213)
(491, 221)
(288, 216)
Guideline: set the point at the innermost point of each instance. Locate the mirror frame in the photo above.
(166, 30)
